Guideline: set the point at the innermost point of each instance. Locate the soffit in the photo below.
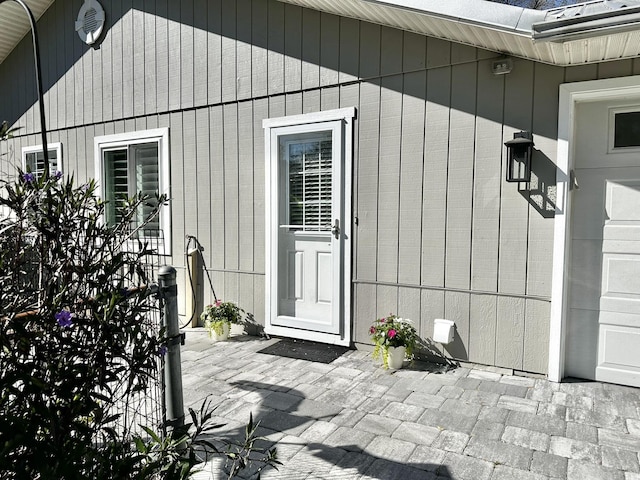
(14, 23)
(507, 29)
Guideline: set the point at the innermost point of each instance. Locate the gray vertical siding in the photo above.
(439, 232)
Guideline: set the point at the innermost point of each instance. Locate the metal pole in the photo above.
(36, 55)
(172, 369)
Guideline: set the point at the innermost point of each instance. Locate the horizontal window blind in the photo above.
(310, 185)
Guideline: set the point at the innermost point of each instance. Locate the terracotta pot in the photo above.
(395, 357)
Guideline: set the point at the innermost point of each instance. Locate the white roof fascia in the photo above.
(496, 16)
(574, 28)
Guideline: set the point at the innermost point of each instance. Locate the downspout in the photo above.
(36, 55)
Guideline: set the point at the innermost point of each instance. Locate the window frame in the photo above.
(613, 111)
(56, 146)
(125, 140)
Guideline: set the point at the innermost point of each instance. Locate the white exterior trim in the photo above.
(271, 198)
(56, 146)
(160, 135)
(570, 94)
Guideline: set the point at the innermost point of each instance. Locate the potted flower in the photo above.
(394, 338)
(218, 318)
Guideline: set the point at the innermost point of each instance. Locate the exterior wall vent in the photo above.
(90, 21)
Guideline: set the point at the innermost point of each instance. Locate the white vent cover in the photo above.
(90, 21)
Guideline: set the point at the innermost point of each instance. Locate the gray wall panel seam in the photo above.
(453, 290)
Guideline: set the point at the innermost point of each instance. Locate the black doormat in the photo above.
(305, 350)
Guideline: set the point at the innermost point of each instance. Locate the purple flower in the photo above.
(162, 351)
(28, 177)
(63, 317)
(58, 175)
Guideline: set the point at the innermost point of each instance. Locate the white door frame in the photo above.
(345, 115)
(570, 94)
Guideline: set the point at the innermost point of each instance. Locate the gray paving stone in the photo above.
(494, 414)
(447, 420)
(559, 411)
(377, 424)
(391, 449)
(488, 430)
(526, 382)
(281, 401)
(633, 427)
(451, 441)
(427, 458)
(349, 439)
(348, 417)
(317, 460)
(618, 439)
(462, 467)
(519, 404)
(457, 406)
(591, 417)
(450, 391)
(502, 472)
(373, 405)
(467, 383)
(316, 409)
(573, 401)
(416, 433)
(624, 460)
(341, 397)
(579, 470)
(526, 438)
(492, 387)
(402, 411)
(575, 449)
(424, 400)
(352, 465)
(499, 452)
(548, 464)
(318, 431)
(480, 398)
(385, 470)
(580, 431)
(537, 423)
(412, 385)
(285, 422)
(485, 375)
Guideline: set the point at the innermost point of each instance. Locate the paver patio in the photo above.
(351, 419)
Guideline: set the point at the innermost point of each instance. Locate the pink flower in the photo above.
(382, 320)
(372, 330)
(391, 333)
(218, 303)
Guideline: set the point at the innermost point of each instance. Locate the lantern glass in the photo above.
(519, 153)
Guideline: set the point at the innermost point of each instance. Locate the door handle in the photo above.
(335, 230)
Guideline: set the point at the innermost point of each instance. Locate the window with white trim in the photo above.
(132, 163)
(33, 159)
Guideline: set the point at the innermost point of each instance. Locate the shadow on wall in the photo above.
(291, 413)
(541, 191)
(299, 35)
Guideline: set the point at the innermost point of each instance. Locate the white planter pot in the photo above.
(395, 357)
(223, 336)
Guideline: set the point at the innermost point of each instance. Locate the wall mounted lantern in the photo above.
(519, 153)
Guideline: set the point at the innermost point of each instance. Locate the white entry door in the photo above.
(309, 228)
(603, 317)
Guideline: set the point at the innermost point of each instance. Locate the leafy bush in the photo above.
(72, 337)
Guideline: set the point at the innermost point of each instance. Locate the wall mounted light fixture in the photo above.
(519, 153)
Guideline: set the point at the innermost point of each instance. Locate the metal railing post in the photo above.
(173, 369)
